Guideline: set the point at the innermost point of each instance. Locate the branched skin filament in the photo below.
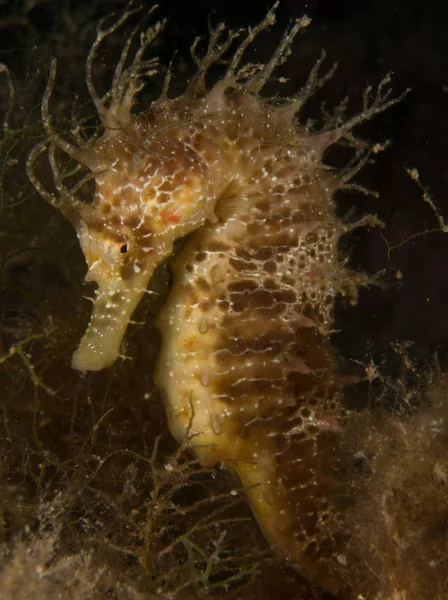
(246, 367)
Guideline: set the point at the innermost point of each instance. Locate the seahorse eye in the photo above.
(124, 248)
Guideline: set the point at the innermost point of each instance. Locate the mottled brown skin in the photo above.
(246, 336)
(246, 368)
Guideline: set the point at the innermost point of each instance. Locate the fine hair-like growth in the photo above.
(246, 367)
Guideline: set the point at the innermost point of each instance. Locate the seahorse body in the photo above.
(246, 368)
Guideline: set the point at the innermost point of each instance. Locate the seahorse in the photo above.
(246, 366)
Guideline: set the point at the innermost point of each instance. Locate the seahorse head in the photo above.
(145, 198)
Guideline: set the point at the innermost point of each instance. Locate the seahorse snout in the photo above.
(113, 306)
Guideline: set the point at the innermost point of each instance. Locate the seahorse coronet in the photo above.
(246, 368)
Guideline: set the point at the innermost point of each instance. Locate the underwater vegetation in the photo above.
(231, 401)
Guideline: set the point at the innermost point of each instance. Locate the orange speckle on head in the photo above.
(169, 216)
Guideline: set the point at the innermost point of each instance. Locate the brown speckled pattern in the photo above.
(246, 366)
